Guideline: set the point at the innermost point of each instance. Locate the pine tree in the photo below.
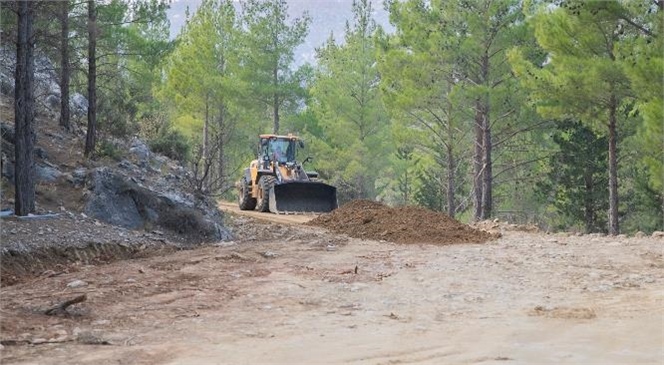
(269, 45)
(584, 77)
(24, 111)
(346, 100)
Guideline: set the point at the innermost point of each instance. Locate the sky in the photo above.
(327, 16)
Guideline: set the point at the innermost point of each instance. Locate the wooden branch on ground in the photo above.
(62, 308)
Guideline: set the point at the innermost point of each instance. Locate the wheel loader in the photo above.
(276, 182)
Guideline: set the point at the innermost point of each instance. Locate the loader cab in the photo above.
(278, 149)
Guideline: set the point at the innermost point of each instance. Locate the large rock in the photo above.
(140, 150)
(6, 85)
(117, 200)
(47, 173)
(46, 81)
(78, 104)
(7, 132)
(53, 102)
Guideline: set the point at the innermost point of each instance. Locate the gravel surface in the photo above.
(302, 295)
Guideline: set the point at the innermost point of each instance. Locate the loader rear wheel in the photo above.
(246, 202)
(265, 183)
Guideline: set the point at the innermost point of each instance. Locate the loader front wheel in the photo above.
(245, 201)
(265, 183)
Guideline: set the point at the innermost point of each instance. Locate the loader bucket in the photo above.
(303, 197)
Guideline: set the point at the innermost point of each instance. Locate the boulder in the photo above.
(47, 173)
(6, 85)
(78, 104)
(53, 102)
(140, 150)
(41, 153)
(117, 200)
(7, 132)
(78, 176)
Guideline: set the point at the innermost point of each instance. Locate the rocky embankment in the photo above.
(89, 210)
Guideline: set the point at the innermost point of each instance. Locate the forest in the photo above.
(547, 112)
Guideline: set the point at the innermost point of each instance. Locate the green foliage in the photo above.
(204, 94)
(581, 73)
(643, 62)
(443, 73)
(577, 179)
(397, 117)
(108, 149)
(267, 51)
(430, 193)
(596, 71)
(132, 40)
(352, 128)
(642, 203)
(172, 143)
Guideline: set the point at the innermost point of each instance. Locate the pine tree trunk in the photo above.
(487, 165)
(477, 161)
(206, 145)
(221, 165)
(91, 136)
(64, 63)
(206, 126)
(24, 202)
(588, 213)
(450, 181)
(487, 176)
(451, 204)
(276, 101)
(613, 169)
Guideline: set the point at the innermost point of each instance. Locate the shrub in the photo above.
(108, 149)
(171, 143)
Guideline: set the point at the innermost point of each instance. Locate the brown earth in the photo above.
(375, 221)
(293, 294)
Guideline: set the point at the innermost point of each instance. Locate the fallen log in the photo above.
(62, 307)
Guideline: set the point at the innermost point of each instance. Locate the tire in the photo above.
(265, 183)
(245, 201)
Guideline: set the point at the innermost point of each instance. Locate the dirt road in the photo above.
(232, 208)
(299, 295)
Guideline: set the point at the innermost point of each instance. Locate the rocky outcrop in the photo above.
(118, 200)
(47, 83)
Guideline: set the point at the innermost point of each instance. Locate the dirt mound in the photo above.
(371, 220)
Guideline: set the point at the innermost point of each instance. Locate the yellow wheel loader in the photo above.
(277, 183)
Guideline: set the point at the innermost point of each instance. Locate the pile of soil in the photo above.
(375, 221)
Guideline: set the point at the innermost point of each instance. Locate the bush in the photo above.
(172, 144)
(108, 149)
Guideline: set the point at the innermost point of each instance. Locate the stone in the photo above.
(41, 153)
(7, 132)
(140, 149)
(78, 104)
(47, 173)
(53, 101)
(76, 284)
(269, 254)
(6, 85)
(116, 199)
(658, 234)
